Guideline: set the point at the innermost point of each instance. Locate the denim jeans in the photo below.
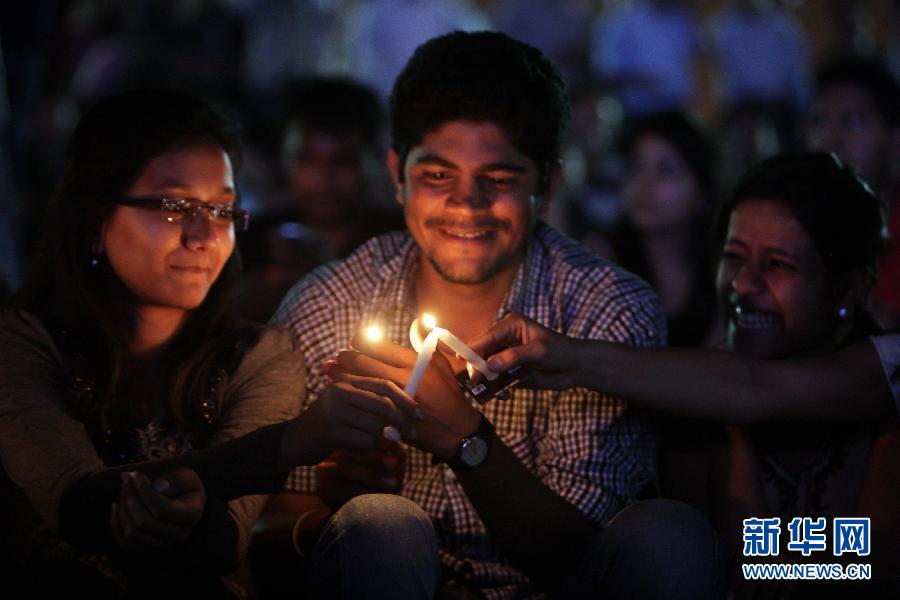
(384, 546)
(376, 546)
(650, 549)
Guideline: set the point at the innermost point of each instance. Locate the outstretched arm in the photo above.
(539, 531)
(713, 384)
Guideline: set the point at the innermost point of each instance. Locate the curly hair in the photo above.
(481, 76)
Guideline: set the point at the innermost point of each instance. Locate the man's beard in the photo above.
(471, 276)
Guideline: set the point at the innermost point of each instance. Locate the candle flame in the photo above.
(429, 321)
(374, 333)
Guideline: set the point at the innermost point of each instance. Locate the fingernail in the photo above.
(392, 434)
(418, 413)
(161, 485)
(494, 364)
(328, 365)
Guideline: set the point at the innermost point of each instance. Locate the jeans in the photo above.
(384, 546)
(650, 549)
(376, 546)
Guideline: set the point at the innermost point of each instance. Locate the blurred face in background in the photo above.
(773, 286)
(327, 175)
(660, 191)
(845, 121)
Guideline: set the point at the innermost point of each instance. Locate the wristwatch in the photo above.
(473, 450)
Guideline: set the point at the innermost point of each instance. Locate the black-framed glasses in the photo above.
(177, 209)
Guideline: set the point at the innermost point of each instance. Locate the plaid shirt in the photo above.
(586, 447)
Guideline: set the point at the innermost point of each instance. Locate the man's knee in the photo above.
(664, 527)
(383, 516)
(376, 543)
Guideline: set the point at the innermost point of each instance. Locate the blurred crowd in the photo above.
(672, 101)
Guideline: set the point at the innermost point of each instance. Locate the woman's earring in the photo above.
(842, 312)
(96, 253)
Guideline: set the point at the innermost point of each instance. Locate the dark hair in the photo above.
(845, 220)
(335, 105)
(481, 76)
(870, 75)
(696, 147)
(688, 137)
(107, 152)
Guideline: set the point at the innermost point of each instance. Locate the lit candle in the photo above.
(473, 361)
(467, 353)
(374, 333)
(425, 353)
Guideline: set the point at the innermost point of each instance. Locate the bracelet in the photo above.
(296, 531)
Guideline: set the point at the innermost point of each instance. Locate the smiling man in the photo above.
(477, 121)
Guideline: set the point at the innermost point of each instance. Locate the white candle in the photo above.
(473, 361)
(422, 360)
(467, 353)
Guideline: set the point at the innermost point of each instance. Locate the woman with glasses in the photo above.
(137, 414)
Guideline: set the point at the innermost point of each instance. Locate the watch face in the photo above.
(473, 451)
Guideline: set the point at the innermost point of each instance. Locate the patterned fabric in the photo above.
(589, 449)
(888, 346)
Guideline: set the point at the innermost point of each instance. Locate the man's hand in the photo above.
(553, 359)
(349, 473)
(447, 414)
(158, 514)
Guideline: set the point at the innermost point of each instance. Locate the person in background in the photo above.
(647, 52)
(668, 192)
(855, 115)
(331, 157)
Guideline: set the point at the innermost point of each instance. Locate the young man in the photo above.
(856, 115)
(477, 121)
(334, 198)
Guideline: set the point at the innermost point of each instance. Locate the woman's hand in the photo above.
(553, 359)
(159, 514)
(351, 413)
(349, 473)
(447, 414)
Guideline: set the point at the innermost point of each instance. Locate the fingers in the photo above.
(137, 520)
(532, 353)
(179, 482)
(385, 352)
(391, 391)
(364, 365)
(359, 474)
(382, 400)
(357, 416)
(508, 331)
(348, 473)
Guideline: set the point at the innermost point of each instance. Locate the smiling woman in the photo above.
(801, 238)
